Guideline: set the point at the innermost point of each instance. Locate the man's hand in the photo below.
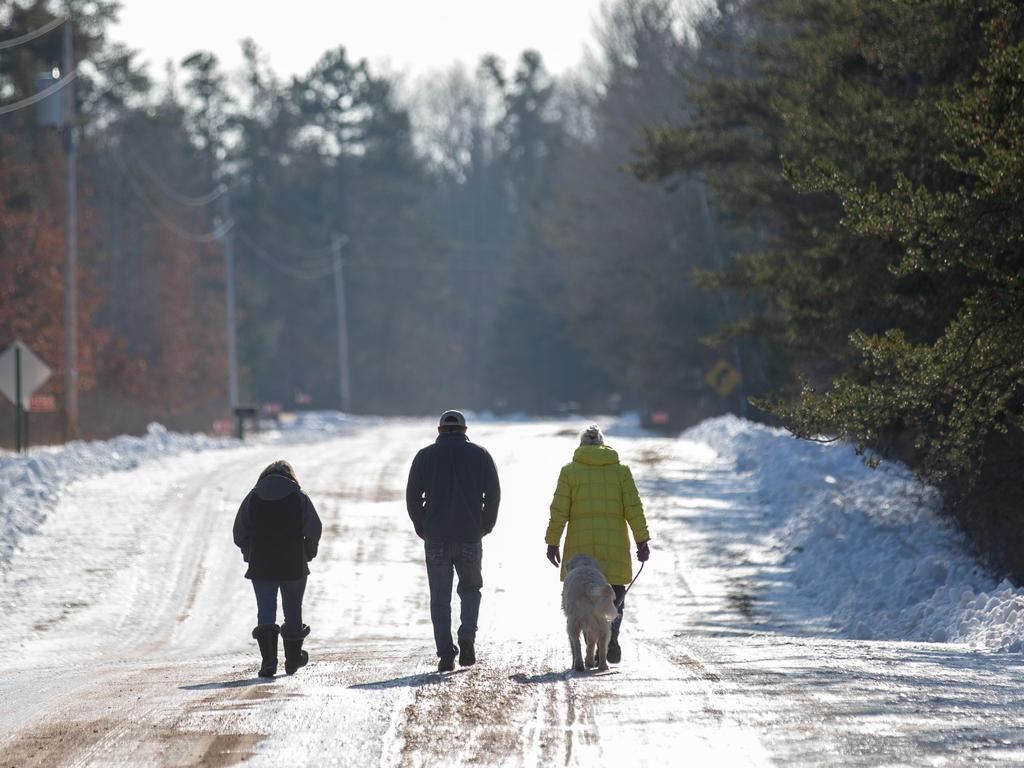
(643, 551)
(310, 547)
(553, 555)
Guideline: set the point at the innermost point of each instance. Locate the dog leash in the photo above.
(642, 564)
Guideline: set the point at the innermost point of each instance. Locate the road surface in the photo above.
(126, 639)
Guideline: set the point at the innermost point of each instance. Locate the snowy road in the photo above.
(126, 633)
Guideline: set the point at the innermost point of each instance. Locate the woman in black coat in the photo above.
(278, 530)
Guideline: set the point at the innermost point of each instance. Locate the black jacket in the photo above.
(277, 529)
(453, 492)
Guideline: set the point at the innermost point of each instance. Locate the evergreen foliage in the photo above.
(866, 158)
(952, 382)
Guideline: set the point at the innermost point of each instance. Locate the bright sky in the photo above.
(416, 36)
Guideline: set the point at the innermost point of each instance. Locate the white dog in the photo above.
(589, 605)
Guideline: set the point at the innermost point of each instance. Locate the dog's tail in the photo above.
(604, 597)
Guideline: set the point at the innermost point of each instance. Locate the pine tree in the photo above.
(950, 384)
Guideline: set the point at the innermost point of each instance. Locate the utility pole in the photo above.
(229, 300)
(71, 242)
(716, 250)
(337, 244)
(19, 442)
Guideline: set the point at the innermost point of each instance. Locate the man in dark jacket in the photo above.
(278, 530)
(452, 498)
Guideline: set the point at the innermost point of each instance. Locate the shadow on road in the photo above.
(557, 677)
(550, 677)
(217, 685)
(409, 681)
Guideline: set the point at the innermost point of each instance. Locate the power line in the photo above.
(177, 197)
(30, 36)
(389, 266)
(314, 272)
(299, 250)
(289, 270)
(419, 266)
(301, 274)
(220, 231)
(207, 237)
(48, 91)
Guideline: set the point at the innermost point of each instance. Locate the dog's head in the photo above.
(582, 561)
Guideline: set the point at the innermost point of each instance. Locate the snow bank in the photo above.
(865, 547)
(304, 424)
(628, 424)
(31, 484)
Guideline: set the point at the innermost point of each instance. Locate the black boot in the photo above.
(467, 653)
(294, 656)
(614, 651)
(266, 636)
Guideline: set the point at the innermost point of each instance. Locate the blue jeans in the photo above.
(442, 560)
(291, 602)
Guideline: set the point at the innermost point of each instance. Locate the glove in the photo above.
(553, 555)
(643, 551)
(310, 547)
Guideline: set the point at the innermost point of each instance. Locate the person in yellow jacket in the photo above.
(597, 498)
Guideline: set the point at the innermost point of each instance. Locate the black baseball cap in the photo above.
(452, 419)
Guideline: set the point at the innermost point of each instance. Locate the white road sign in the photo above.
(34, 373)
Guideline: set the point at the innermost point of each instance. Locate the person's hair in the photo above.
(446, 428)
(592, 436)
(280, 467)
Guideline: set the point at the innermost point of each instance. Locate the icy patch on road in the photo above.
(31, 484)
(865, 547)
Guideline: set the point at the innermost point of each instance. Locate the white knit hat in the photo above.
(592, 435)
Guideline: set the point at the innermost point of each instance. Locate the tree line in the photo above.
(487, 217)
(820, 194)
(865, 158)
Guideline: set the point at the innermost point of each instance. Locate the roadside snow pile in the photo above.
(319, 422)
(866, 546)
(310, 426)
(628, 424)
(31, 485)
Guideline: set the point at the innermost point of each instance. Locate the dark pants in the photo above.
(620, 603)
(291, 602)
(466, 560)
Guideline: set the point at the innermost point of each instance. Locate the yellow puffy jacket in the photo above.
(596, 496)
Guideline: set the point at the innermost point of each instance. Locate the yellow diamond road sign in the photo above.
(722, 378)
